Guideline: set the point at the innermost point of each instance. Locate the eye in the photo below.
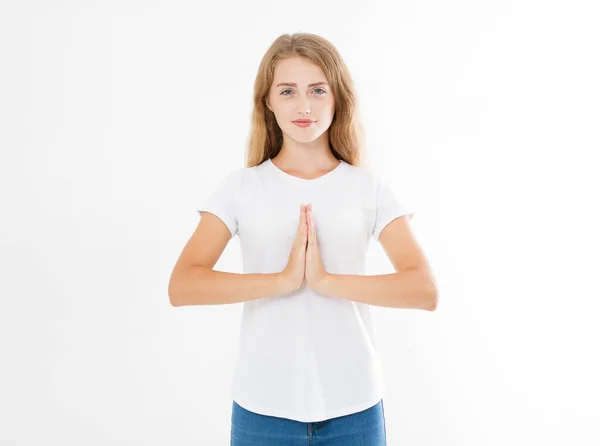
(320, 94)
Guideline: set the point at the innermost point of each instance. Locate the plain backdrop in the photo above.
(117, 118)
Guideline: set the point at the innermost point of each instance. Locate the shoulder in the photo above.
(239, 174)
(365, 177)
(245, 178)
(229, 184)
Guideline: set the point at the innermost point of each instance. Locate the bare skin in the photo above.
(305, 151)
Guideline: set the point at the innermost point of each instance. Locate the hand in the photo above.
(293, 274)
(315, 273)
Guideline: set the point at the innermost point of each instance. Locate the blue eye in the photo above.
(313, 90)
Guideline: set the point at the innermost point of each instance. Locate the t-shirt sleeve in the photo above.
(222, 201)
(388, 207)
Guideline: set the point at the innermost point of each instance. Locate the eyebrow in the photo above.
(291, 84)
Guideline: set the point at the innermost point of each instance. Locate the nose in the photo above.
(304, 107)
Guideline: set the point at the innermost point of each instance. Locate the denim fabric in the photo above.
(365, 428)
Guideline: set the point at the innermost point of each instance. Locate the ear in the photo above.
(267, 102)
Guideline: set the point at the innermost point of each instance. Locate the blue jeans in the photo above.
(365, 428)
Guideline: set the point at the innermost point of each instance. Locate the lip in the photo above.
(303, 123)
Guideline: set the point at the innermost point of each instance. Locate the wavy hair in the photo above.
(346, 134)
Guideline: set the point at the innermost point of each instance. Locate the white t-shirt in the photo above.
(303, 355)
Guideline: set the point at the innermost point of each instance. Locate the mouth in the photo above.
(303, 122)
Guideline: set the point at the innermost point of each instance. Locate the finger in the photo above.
(303, 223)
(300, 234)
(311, 232)
(314, 231)
(306, 220)
(304, 228)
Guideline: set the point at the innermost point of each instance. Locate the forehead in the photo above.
(299, 70)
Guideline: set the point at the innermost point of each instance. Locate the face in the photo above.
(299, 100)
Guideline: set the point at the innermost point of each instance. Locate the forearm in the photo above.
(202, 286)
(403, 289)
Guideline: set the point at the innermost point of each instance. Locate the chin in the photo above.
(305, 139)
(307, 134)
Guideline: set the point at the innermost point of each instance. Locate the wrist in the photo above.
(323, 284)
(284, 283)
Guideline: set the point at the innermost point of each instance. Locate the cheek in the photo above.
(282, 110)
(329, 109)
(326, 115)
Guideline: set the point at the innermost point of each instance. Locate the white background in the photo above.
(118, 118)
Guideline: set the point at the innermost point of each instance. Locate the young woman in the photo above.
(304, 208)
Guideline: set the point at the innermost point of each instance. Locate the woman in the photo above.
(308, 370)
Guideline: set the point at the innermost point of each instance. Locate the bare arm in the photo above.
(197, 285)
(410, 288)
(195, 282)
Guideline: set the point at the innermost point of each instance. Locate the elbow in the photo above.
(433, 301)
(173, 300)
(433, 294)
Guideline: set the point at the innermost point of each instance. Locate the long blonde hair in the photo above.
(346, 135)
